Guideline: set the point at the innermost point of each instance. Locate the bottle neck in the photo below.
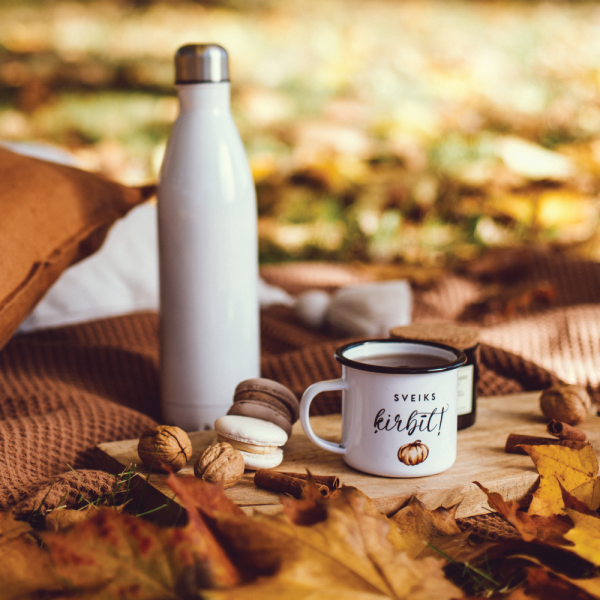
(212, 97)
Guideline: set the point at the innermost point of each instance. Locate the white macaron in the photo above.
(257, 440)
(262, 461)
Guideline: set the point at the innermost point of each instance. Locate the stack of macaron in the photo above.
(259, 422)
(267, 400)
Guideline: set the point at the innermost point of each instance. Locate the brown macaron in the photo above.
(267, 400)
(263, 411)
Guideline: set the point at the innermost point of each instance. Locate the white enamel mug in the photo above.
(398, 406)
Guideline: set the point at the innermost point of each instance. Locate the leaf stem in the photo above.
(466, 565)
(151, 511)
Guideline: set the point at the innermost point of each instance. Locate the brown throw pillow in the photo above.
(51, 216)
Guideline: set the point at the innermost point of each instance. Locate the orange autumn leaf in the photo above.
(549, 530)
(197, 494)
(109, 555)
(19, 551)
(575, 470)
(114, 555)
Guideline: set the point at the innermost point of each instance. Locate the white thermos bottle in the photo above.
(209, 315)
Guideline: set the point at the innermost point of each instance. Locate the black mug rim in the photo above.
(460, 360)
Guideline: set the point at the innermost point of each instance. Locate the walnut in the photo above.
(567, 403)
(165, 448)
(220, 463)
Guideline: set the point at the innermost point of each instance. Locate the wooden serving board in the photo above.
(481, 458)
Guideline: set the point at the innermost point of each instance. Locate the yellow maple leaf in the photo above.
(585, 536)
(576, 470)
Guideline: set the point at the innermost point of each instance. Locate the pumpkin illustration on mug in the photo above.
(413, 453)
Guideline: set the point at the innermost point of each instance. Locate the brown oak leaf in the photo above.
(428, 532)
(549, 530)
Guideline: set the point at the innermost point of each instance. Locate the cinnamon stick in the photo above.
(515, 440)
(331, 481)
(284, 483)
(564, 431)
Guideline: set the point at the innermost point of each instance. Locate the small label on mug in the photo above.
(465, 390)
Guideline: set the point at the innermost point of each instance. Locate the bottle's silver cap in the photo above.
(201, 63)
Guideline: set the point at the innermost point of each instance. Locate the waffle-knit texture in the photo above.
(64, 390)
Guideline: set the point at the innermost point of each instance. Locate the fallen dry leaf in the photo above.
(346, 555)
(547, 584)
(116, 555)
(106, 554)
(197, 494)
(542, 584)
(11, 528)
(308, 510)
(425, 532)
(58, 519)
(549, 530)
(573, 503)
(591, 586)
(585, 536)
(575, 470)
(215, 567)
(416, 518)
(19, 551)
(112, 555)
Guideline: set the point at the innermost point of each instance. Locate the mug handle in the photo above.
(307, 398)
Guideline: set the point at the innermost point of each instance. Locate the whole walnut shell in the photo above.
(220, 463)
(567, 403)
(165, 448)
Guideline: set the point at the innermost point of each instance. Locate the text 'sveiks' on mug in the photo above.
(399, 406)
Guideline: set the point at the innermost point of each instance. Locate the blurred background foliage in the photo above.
(420, 132)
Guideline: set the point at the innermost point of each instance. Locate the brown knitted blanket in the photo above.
(64, 390)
